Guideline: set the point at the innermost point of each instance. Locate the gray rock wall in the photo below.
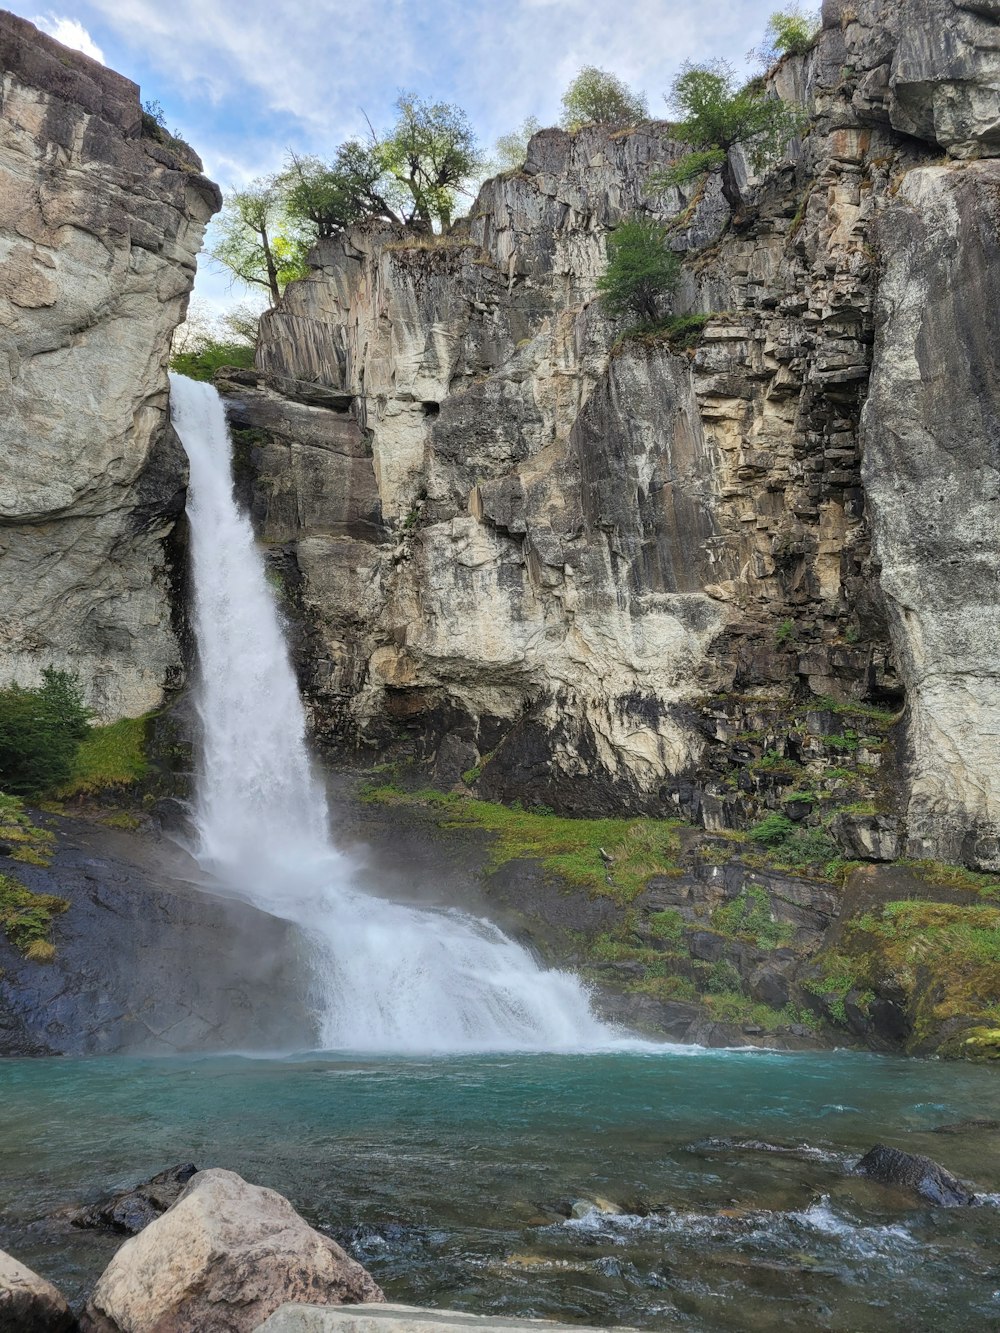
(99, 229)
(614, 574)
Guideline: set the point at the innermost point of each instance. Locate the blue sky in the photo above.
(243, 80)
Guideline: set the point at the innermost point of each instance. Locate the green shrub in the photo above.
(772, 830)
(210, 357)
(40, 732)
(111, 756)
(641, 269)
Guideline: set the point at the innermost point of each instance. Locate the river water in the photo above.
(471, 1179)
(454, 1174)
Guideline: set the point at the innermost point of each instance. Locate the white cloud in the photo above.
(71, 33)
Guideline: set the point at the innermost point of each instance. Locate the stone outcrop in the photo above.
(932, 479)
(910, 1171)
(222, 1259)
(638, 573)
(29, 1304)
(101, 217)
(129, 1211)
(147, 962)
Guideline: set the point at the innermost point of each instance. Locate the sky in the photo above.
(243, 81)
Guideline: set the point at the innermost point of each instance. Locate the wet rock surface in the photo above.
(145, 961)
(132, 1209)
(903, 1170)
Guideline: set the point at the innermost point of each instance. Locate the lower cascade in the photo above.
(389, 977)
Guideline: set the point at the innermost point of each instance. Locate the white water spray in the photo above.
(392, 977)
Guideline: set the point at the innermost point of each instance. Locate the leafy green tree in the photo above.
(253, 239)
(431, 152)
(512, 148)
(40, 731)
(641, 269)
(717, 114)
(791, 31)
(596, 97)
(325, 197)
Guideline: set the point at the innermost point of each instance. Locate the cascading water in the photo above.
(392, 977)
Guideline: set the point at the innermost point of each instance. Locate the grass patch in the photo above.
(609, 856)
(955, 877)
(111, 756)
(732, 1007)
(943, 956)
(681, 333)
(27, 843)
(27, 918)
(748, 916)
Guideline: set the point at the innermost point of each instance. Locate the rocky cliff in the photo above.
(101, 217)
(747, 566)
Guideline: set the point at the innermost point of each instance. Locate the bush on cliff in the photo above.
(641, 269)
(791, 31)
(717, 114)
(40, 731)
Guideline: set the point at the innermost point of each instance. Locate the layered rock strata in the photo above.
(650, 572)
(101, 217)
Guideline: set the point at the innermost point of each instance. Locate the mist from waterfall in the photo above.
(390, 977)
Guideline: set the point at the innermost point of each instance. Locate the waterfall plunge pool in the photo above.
(454, 1173)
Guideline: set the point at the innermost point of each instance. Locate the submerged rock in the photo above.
(29, 1304)
(131, 1210)
(225, 1256)
(910, 1171)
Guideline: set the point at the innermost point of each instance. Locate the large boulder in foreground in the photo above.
(29, 1304)
(220, 1260)
(910, 1171)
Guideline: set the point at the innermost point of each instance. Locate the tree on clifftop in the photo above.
(431, 152)
(717, 114)
(596, 97)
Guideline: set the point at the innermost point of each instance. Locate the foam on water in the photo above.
(389, 976)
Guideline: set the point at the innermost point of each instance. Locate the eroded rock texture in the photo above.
(600, 573)
(99, 228)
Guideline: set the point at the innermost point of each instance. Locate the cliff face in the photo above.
(599, 573)
(99, 228)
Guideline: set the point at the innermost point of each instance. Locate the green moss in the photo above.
(111, 756)
(735, 1008)
(667, 925)
(678, 332)
(609, 856)
(28, 843)
(26, 918)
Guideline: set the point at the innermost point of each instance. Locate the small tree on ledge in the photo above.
(641, 269)
(717, 115)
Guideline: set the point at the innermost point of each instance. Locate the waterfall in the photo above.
(390, 977)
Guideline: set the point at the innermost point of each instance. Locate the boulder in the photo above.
(905, 1170)
(223, 1258)
(131, 1210)
(29, 1304)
